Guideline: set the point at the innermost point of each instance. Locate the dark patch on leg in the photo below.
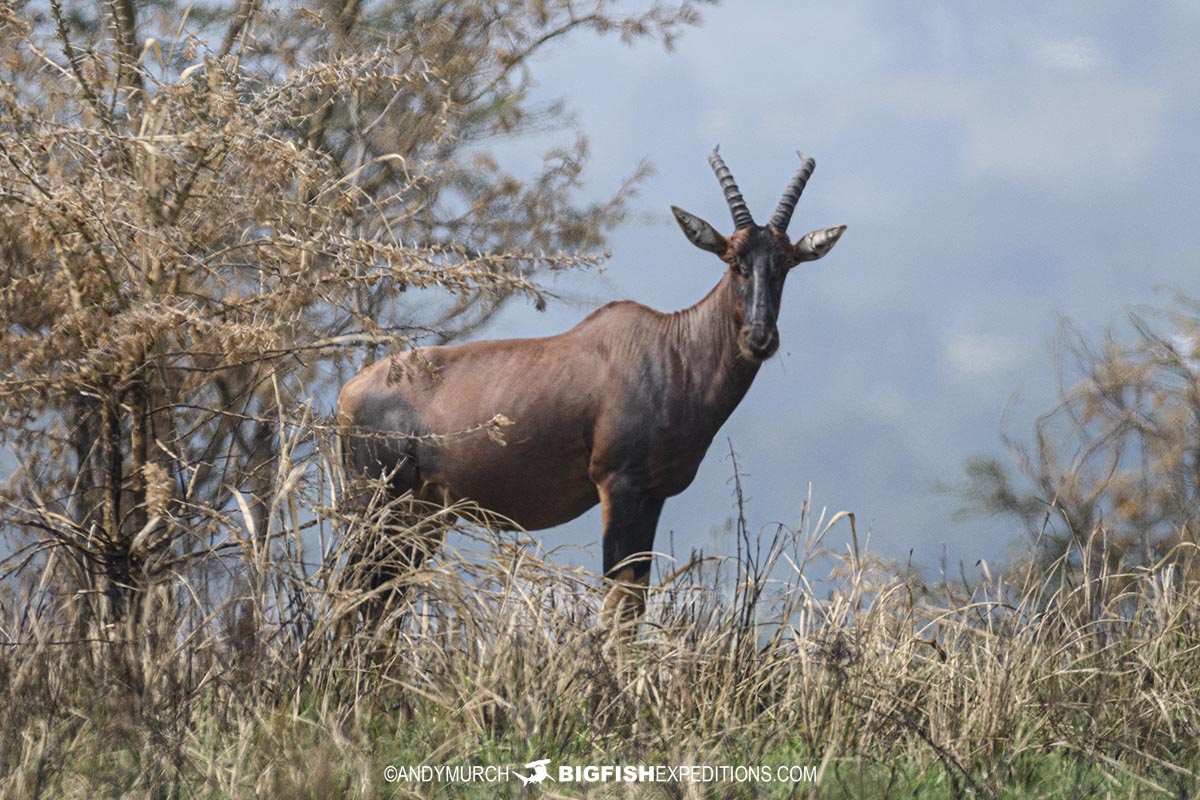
(381, 555)
(383, 439)
(380, 452)
(631, 518)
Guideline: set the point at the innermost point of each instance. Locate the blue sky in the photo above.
(1001, 167)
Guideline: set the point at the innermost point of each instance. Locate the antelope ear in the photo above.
(816, 244)
(699, 232)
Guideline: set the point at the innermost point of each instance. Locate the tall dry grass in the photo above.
(234, 682)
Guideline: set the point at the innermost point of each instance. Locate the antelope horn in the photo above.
(783, 214)
(733, 195)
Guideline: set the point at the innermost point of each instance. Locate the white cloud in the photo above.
(1189, 348)
(972, 356)
(1051, 132)
(1066, 137)
(1053, 113)
(1079, 54)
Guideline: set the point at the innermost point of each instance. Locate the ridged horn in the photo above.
(733, 195)
(783, 214)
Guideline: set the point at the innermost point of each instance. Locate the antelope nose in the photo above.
(761, 342)
(758, 338)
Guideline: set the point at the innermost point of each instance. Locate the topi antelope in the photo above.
(619, 410)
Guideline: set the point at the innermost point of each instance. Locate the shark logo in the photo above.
(539, 772)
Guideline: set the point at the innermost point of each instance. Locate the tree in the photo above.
(1119, 454)
(207, 207)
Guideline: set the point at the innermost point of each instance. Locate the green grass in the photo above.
(1015, 686)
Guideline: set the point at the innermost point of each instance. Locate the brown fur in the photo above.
(619, 410)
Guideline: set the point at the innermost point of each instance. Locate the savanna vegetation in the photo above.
(207, 206)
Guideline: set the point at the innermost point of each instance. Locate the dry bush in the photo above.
(208, 209)
(1120, 450)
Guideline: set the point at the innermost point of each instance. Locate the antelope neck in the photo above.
(705, 339)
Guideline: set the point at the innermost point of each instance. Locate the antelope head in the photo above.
(759, 256)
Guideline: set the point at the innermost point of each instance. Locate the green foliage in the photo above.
(989, 490)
